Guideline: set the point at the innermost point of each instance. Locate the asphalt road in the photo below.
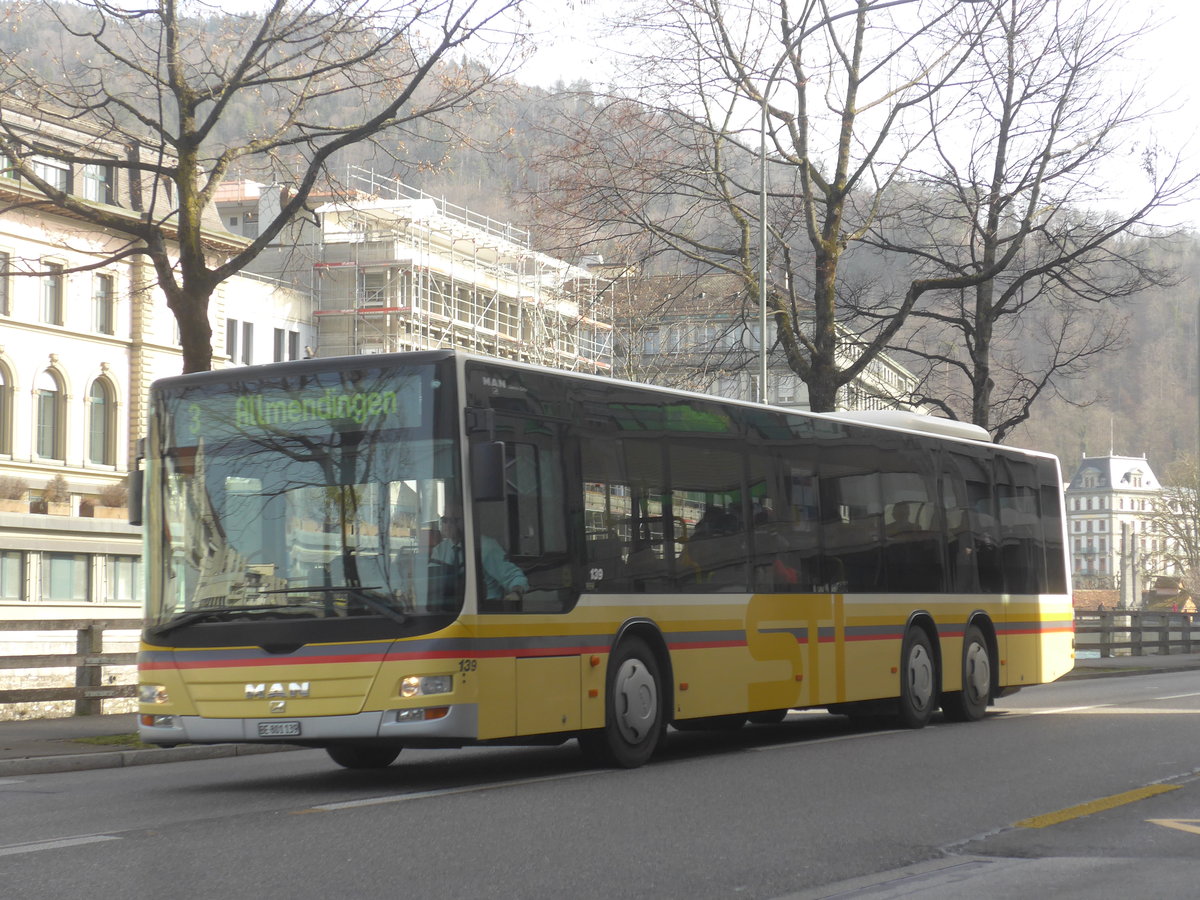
(1084, 788)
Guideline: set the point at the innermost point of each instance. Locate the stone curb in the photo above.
(120, 759)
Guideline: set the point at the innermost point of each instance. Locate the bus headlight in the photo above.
(420, 685)
(152, 693)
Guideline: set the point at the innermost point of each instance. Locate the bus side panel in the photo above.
(548, 691)
(711, 681)
(1038, 644)
(867, 645)
(497, 697)
(783, 633)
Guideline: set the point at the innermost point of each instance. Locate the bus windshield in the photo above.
(302, 496)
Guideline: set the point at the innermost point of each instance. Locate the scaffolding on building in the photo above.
(398, 270)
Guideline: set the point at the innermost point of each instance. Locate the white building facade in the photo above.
(1110, 504)
(82, 336)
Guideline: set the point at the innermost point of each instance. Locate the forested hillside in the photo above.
(1143, 398)
(1138, 399)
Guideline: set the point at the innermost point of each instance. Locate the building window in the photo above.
(65, 577)
(103, 301)
(247, 343)
(12, 576)
(122, 579)
(280, 344)
(52, 294)
(54, 172)
(101, 425)
(49, 425)
(231, 339)
(5, 283)
(98, 183)
(293, 345)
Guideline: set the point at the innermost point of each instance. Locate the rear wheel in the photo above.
(971, 703)
(353, 756)
(918, 679)
(634, 721)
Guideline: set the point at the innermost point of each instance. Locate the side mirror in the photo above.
(137, 480)
(137, 484)
(487, 471)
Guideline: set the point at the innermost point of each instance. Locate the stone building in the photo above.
(1110, 505)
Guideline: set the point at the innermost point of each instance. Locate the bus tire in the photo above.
(918, 679)
(970, 704)
(634, 720)
(360, 756)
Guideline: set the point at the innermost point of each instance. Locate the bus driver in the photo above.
(503, 579)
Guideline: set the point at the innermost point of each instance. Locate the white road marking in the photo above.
(446, 792)
(56, 844)
(1102, 711)
(1179, 696)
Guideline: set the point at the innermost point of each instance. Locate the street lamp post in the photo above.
(762, 254)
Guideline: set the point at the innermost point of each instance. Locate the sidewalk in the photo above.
(74, 743)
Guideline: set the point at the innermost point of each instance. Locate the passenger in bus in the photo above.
(503, 579)
(902, 522)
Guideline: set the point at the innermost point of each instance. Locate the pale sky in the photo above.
(1167, 60)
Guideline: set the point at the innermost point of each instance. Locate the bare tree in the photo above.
(1176, 520)
(1017, 186)
(828, 98)
(311, 79)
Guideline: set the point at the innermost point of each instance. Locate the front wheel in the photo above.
(971, 703)
(633, 713)
(918, 679)
(352, 756)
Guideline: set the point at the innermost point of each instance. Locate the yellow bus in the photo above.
(437, 550)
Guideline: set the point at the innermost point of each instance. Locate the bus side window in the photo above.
(851, 520)
(1052, 534)
(708, 515)
(963, 576)
(530, 524)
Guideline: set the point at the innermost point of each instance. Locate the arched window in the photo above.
(101, 424)
(50, 422)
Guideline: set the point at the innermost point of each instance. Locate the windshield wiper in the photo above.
(199, 615)
(187, 618)
(359, 593)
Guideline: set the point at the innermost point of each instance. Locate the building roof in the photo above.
(1114, 473)
(710, 297)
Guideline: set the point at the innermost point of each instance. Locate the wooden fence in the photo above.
(88, 661)
(1109, 632)
(1118, 632)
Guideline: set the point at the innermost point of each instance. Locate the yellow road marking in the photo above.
(1095, 806)
(1189, 825)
